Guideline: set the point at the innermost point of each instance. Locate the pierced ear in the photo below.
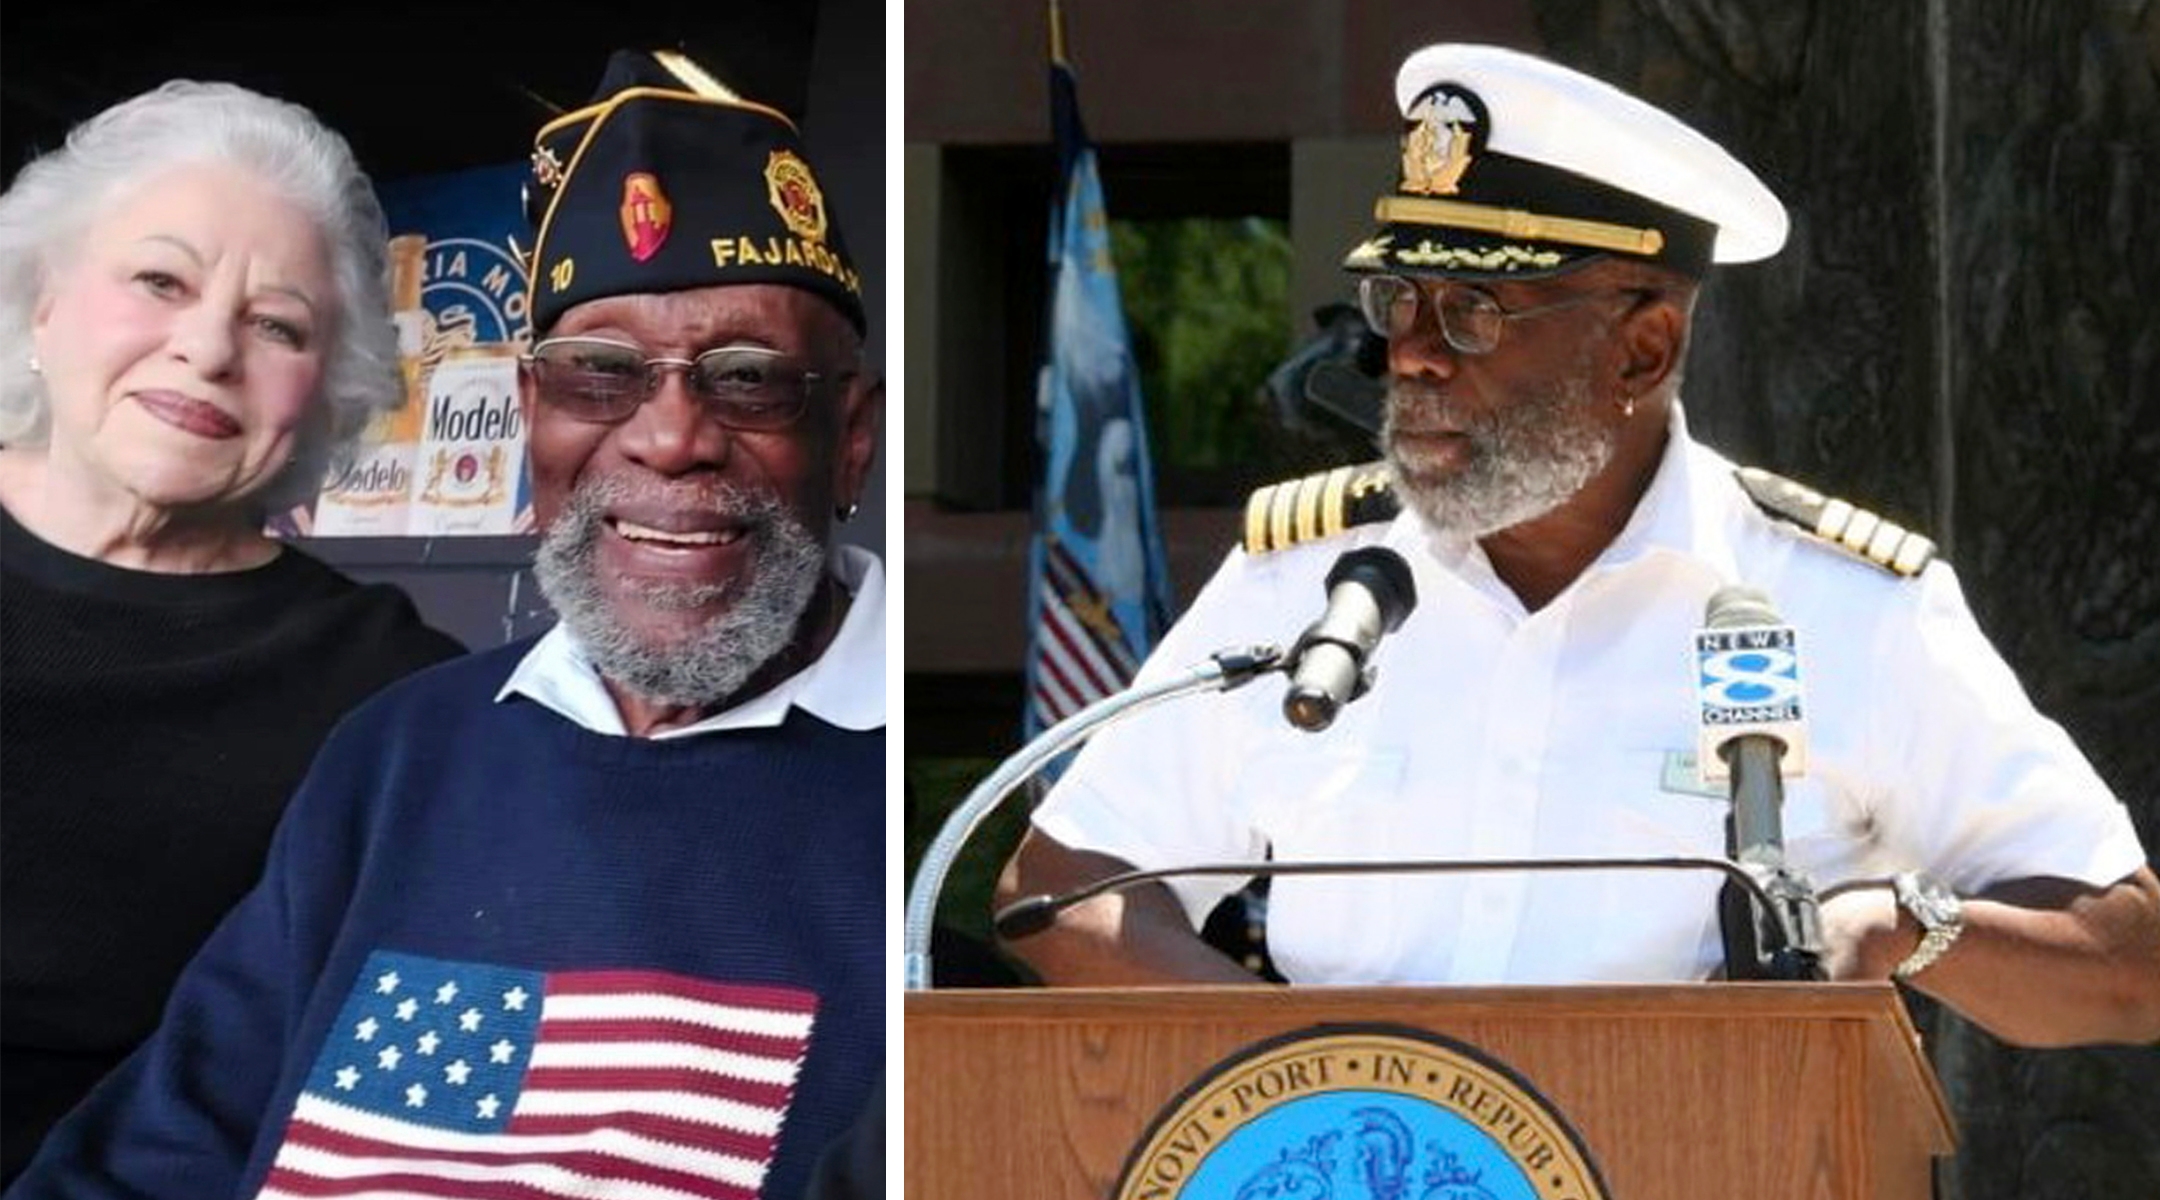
(1653, 336)
(862, 414)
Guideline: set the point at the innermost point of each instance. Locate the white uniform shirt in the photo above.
(1493, 732)
(844, 687)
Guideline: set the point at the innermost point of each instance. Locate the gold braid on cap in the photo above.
(693, 76)
(1519, 223)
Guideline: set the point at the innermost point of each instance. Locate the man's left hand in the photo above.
(2041, 962)
(1864, 932)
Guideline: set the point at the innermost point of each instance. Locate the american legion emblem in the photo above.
(1360, 1112)
(794, 194)
(646, 214)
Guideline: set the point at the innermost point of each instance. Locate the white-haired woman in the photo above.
(193, 328)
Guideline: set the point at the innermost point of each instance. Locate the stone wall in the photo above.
(1964, 333)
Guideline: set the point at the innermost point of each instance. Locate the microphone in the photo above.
(1369, 593)
(1753, 736)
(1748, 683)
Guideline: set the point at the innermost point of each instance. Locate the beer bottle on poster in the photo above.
(373, 497)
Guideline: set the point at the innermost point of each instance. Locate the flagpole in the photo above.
(1095, 598)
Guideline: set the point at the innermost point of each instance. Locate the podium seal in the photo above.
(1363, 1112)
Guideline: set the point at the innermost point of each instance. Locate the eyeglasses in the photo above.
(1470, 319)
(603, 381)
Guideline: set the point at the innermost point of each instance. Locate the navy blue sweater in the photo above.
(462, 867)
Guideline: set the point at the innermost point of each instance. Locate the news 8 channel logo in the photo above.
(1748, 681)
(1748, 676)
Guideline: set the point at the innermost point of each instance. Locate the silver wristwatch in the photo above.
(1941, 916)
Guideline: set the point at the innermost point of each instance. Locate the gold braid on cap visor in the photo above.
(1517, 223)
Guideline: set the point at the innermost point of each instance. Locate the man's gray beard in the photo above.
(1526, 457)
(785, 564)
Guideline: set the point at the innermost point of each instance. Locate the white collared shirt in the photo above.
(1493, 732)
(844, 687)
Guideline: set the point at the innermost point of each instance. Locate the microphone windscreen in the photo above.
(1736, 606)
(1023, 917)
(1383, 573)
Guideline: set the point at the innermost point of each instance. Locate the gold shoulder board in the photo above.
(1857, 531)
(1282, 515)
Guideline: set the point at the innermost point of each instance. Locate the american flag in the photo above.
(1098, 579)
(468, 1080)
(1081, 653)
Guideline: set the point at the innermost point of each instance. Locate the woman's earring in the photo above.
(1627, 406)
(36, 367)
(848, 513)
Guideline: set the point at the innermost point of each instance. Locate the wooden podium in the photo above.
(1710, 1091)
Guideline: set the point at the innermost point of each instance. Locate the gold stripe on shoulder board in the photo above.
(1331, 502)
(1318, 506)
(1839, 523)
(1256, 508)
(1308, 507)
(1279, 513)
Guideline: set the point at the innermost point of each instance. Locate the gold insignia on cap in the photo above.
(1435, 153)
(795, 196)
(646, 214)
(1499, 258)
(547, 168)
(1370, 253)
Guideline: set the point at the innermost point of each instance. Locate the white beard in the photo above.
(714, 663)
(1525, 459)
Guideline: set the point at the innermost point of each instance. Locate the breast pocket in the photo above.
(1811, 820)
(1656, 805)
(1327, 803)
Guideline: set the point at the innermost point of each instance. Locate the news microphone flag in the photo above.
(1099, 591)
(462, 1079)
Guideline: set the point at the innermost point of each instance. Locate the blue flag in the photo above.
(1099, 591)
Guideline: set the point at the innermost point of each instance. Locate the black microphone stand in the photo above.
(1033, 914)
(1774, 931)
(1793, 950)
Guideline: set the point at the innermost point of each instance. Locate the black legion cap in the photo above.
(669, 181)
(1514, 166)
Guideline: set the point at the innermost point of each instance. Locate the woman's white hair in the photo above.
(57, 197)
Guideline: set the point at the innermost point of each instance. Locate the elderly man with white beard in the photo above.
(1535, 275)
(602, 910)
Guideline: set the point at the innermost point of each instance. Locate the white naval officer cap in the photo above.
(1514, 166)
